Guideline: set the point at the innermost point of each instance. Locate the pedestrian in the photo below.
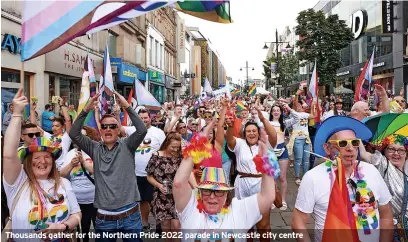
(47, 117)
(116, 191)
(35, 191)
(161, 170)
(151, 144)
(368, 198)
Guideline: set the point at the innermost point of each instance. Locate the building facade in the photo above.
(367, 21)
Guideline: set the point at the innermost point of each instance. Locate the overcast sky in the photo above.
(254, 22)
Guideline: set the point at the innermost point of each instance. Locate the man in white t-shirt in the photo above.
(368, 193)
(151, 143)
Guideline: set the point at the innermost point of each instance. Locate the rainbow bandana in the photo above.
(38, 145)
(214, 179)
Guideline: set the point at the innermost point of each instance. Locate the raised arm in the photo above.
(33, 118)
(181, 187)
(270, 130)
(11, 163)
(231, 141)
(382, 95)
(85, 143)
(67, 117)
(220, 136)
(135, 139)
(267, 195)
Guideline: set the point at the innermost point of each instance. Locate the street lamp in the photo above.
(277, 55)
(247, 67)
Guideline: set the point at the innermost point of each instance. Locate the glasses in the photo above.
(217, 193)
(344, 143)
(208, 116)
(31, 135)
(400, 101)
(182, 127)
(399, 151)
(193, 124)
(111, 126)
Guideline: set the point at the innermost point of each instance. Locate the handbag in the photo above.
(278, 198)
(8, 226)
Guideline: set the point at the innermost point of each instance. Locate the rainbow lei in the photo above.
(198, 149)
(396, 139)
(268, 164)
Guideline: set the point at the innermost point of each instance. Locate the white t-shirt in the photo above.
(303, 124)
(83, 188)
(242, 216)
(151, 143)
(54, 213)
(314, 193)
(65, 144)
(245, 187)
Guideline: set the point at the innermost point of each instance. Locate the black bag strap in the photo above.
(87, 174)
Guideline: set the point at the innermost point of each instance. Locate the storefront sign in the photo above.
(376, 65)
(127, 73)
(343, 73)
(387, 9)
(358, 21)
(170, 81)
(156, 76)
(12, 43)
(180, 38)
(187, 75)
(70, 60)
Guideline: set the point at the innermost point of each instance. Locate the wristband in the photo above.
(16, 116)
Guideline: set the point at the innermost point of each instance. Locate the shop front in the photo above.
(157, 85)
(124, 75)
(64, 67)
(170, 90)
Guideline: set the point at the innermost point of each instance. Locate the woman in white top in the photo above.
(248, 181)
(276, 120)
(39, 200)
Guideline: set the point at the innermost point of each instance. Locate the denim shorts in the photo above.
(285, 154)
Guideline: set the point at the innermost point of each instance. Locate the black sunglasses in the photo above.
(111, 126)
(217, 193)
(31, 135)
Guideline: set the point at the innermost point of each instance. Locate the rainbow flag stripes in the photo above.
(37, 145)
(236, 92)
(252, 90)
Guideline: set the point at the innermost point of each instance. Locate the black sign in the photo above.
(187, 75)
(177, 84)
(387, 16)
(11, 43)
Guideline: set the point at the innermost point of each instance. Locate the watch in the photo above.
(66, 227)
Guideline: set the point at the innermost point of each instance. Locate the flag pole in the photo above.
(22, 75)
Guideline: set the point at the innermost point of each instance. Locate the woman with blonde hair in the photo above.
(38, 199)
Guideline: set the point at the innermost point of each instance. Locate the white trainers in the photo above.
(298, 181)
(284, 206)
(273, 206)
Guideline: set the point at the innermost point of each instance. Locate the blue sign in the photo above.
(11, 43)
(127, 72)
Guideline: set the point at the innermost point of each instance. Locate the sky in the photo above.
(254, 22)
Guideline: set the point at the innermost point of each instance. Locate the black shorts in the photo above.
(145, 189)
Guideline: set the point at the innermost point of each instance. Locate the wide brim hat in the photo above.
(38, 145)
(335, 124)
(214, 178)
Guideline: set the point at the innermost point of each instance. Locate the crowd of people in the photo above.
(200, 165)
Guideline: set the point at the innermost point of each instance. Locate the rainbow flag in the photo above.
(236, 92)
(252, 90)
(47, 25)
(340, 224)
(240, 106)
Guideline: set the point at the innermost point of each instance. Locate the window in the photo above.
(112, 43)
(156, 63)
(151, 51)
(161, 57)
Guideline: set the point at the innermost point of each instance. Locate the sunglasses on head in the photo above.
(111, 126)
(31, 135)
(343, 143)
(206, 192)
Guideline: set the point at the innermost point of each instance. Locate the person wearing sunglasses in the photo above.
(116, 192)
(339, 138)
(28, 133)
(390, 158)
(402, 102)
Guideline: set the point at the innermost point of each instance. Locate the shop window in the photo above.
(51, 88)
(10, 85)
(112, 43)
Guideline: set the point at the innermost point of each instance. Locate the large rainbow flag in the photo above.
(340, 224)
(252, 90)
(47, 25)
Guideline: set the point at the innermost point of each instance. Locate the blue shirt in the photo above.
(46, 122)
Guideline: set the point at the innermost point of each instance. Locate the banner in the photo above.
(222, 91)
(387, 16)
(180, 37)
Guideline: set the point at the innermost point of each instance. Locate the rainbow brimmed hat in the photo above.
(214, 178)
(38, 145)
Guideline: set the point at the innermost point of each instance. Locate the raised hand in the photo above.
(92, 103)
(379, 90)
(19, 102)
(122, 101)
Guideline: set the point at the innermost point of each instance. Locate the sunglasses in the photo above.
(111, 126)
(182, 127)
(400, 101)
(343, 143)
(206, 192)
(31, 135)
(208, 116)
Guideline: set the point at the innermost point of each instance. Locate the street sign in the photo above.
(187, 75)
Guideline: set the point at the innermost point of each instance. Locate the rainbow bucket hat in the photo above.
(38, 145)
(214, 178)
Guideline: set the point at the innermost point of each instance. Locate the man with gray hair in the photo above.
(360, 109)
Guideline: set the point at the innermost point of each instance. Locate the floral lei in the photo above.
(396, 139)
(361, 214)
(213, 217)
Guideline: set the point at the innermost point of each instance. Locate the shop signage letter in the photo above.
(358, 21)
(11, 43)
(387, 16)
